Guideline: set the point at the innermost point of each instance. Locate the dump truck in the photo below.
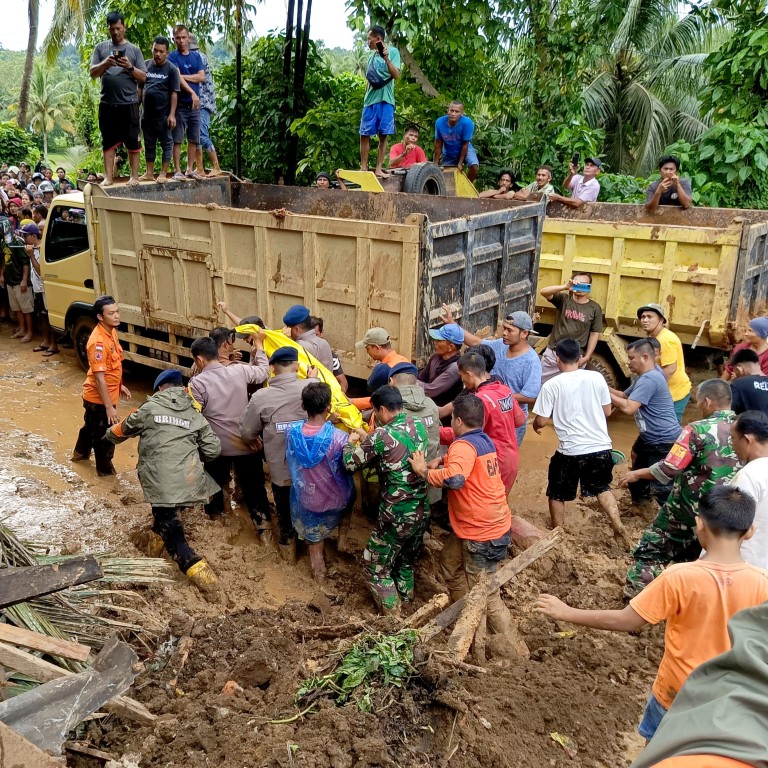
(168, 253)
(708, 267)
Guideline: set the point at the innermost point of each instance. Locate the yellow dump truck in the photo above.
(168, 253)
(708, 267)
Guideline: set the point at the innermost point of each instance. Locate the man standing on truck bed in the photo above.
(120, 65)
(671, 360)
(102, 388)
(453, 141)
(670, 189)
(379, 101)
(192, 71)
(576, 317)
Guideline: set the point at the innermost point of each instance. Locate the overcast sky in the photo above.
(328, 24)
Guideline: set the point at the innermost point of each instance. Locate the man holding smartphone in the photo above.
(120, 66)
(584, 186)
(379, 102)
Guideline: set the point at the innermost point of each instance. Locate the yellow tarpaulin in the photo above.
(348, 413)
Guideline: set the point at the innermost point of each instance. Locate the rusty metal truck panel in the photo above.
(170, 253)
(706, 266)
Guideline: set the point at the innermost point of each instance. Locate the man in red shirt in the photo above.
(102, 388)
(502, 412)
(477, 509)
(407, 152)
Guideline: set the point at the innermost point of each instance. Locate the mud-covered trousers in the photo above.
(249, 471)
(90, 438)
(390, 557)
(670, 538)
(170, 529)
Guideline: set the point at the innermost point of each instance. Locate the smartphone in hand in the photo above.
(575, 158)
(380, 47)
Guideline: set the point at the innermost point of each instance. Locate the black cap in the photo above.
(250, 320)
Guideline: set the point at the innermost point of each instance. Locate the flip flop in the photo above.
(41, 348)
(49, 352)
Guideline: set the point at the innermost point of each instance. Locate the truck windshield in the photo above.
(66, 234)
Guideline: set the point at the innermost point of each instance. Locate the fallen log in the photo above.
(435, 604)
(43, 671)
(17, 585)
(471, 615)
(525, 534)
(66, 649)
(44, 715)
(502, 576)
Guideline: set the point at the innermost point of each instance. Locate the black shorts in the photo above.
(593, 470)
(41, 311)
(119, 124)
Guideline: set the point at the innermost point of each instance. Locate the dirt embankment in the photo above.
(588, 686)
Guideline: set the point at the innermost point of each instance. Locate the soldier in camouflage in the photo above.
(701, 458)
(390, 557)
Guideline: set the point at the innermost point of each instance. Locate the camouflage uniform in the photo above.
(701, 458)
(390, 556)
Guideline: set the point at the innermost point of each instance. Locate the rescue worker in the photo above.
(103, 387)
(701, 458)
(390, 556)
(378, 345)
(222, 394)
(418, 405)
(270, 413)
(173, 439)
(298, 320)
(440, 376)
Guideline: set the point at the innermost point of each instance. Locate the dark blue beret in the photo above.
(296, 314)
(285, 355)
(171, 376)
(404, 368)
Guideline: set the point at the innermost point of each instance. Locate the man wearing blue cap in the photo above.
(298, 319)
(440, 376)
(270, 414)
(173, 438)
(517, 364)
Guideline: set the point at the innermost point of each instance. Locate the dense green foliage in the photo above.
(15, 144)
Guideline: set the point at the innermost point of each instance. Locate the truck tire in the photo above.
(605, 368)
(424, 179)
(81, 332)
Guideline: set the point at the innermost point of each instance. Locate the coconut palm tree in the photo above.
(644, 90)
(50, 105)
(33, 11)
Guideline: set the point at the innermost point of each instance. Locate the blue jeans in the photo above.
(205, 125)
(652, 717)
(520, 432)
(680, 406)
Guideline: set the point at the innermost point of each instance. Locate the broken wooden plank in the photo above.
(469, 619)
(18, 585)
(502, 576)
(66, 649)
(434, 605)
(47, 713)
(18, 752)
(84, 749)
(44, 671)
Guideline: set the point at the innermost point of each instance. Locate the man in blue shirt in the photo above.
(517, 364)
(192, 72)
(379, 102)
(453, 145)
(648, 399)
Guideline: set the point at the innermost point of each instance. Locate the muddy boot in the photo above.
(154, 544)
(202, 576)
(287, 551)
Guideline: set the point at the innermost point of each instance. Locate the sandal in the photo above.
(41, 348)
(49, 352)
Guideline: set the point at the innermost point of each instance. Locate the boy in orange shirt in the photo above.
(477, 507)
(696, 599)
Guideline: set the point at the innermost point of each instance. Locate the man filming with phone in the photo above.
(120, 66)
(584, 186)
(379, 102)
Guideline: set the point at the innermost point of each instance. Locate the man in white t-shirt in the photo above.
(577, 403)
(584, 186)
(750, 441)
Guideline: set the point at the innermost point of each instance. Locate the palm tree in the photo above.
(644, 91)
(33, 10)
(50, 105)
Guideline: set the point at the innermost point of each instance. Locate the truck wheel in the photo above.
(424, 179)
(605, 368)
(81, 332)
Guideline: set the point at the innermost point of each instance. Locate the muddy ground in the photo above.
(589, 686)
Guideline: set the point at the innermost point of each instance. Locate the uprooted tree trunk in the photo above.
(471, 618)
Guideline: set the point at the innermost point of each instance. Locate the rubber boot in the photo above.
(154, 544)
(202, 576)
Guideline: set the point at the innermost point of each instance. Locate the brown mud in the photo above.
(586, 685)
